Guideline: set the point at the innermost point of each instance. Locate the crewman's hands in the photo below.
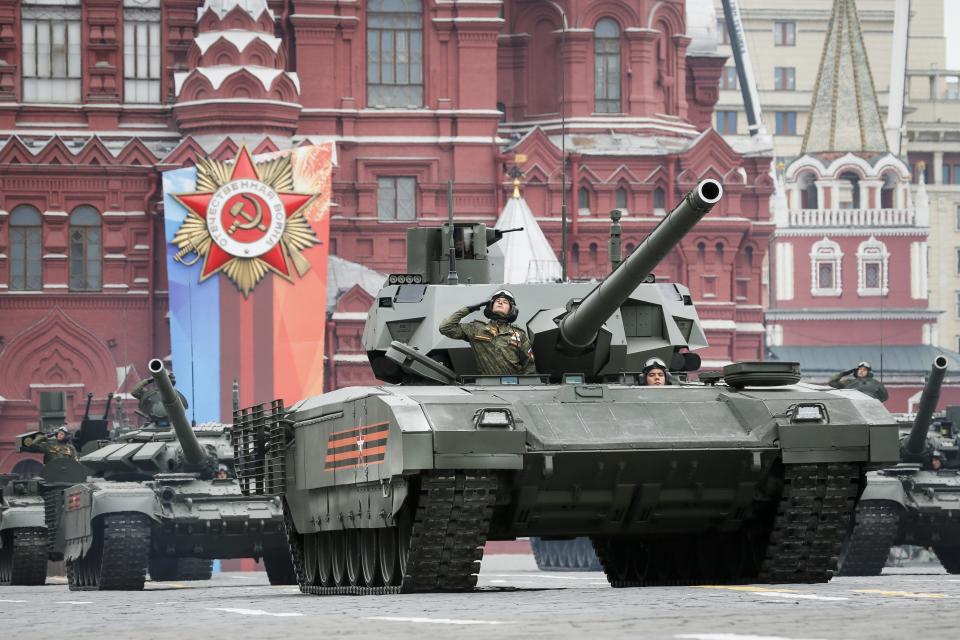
(478, 306)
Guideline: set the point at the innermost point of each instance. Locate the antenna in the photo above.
(452, 277)
(563, 159)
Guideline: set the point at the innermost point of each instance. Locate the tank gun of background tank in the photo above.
(193, 453)
(914, 447)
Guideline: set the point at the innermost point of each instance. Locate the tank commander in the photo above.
(151, 404)
(655, 373)
(860, 378)
(61, 447)
(222, 472)
(500, 347)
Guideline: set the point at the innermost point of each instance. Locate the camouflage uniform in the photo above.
(868, 385)
(500, 348)
(150, 402)
(52, 449)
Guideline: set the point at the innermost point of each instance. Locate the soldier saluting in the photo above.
(500, 347)
(61, 447)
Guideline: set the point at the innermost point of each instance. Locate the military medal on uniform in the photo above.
(245, 220)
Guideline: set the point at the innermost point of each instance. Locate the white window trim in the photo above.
(826, 250)
(872, 250)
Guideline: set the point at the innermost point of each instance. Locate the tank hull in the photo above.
(176, 516)
(905, 505)
(621, 464)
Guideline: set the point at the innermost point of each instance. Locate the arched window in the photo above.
(583, 200)
(26, 267)
(748, 255)
(593, 254)
(808, 191)
(395, 53)
(606, 74)
(849, 189)
(888, 190)
(575, 253)
(872, 261)
(658, 201)
(85, 249)
(719, 249)
(826, 259)
(702, 252)
(621, 199)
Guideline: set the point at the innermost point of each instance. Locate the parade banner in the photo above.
(247, 245)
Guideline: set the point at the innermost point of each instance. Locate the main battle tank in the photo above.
(30, 508)
(156, 504)
(396, 488)
(916, 502)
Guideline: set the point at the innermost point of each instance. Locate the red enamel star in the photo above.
(244, 212)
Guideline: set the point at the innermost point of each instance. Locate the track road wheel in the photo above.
(23, 556)
(279, 567)
(949, 557)
(866, 549)
(194, 569)
(118, 556)
(163, 568)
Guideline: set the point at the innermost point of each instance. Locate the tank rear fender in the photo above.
(23, 516)
(360, 505)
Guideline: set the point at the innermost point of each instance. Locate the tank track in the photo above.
(23, 558)
(812, 520)
(280, 569)
(164, 569)
(117, 559)
(450, 525)
(870, 541)
(799, 544)
(949, 557)
(565, 555)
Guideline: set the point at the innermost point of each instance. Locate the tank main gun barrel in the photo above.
(917, 440)
(193, 453)
(579, 327)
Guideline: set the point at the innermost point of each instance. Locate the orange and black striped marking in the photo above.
(357, 446)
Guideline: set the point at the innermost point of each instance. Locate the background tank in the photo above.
(30, 508)
(916, 502)
(396, 488)
(156, 504)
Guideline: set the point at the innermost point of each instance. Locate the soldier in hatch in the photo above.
(500, 348)
(655, 373)
(860, 378)
(60, 447)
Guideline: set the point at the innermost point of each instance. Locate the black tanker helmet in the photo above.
(514, 311)
(654, 363)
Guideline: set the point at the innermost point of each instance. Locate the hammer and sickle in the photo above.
(252, 222)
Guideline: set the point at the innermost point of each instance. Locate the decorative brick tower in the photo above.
(237, 81)
(849, 261)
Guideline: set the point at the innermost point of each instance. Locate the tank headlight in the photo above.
(498, 417)
(408, 279)
(392, 279)
(809, 413)
(418, 279)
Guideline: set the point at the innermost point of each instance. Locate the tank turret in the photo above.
(603, 331)
(193, 453)
(914, 445)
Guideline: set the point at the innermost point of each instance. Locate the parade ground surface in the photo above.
(514, 600)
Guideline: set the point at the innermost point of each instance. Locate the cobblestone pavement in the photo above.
(515, 600)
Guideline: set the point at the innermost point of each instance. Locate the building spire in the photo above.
(844, 114)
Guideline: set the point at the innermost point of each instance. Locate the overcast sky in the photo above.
(952, 17)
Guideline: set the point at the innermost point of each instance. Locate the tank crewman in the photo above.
(150, 402)
(655, 373)
(222, 472)
(61, 447)
(860, 378)
(500, 348)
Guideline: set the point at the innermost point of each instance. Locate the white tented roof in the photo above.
(527, 254)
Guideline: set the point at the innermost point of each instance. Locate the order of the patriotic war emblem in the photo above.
(245, 220)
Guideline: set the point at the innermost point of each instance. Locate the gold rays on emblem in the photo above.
(277, 174)
(297, 236)
(212, 174)
(245, 273)
(191, 237)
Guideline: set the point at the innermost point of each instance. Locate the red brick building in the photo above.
(98, 97)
